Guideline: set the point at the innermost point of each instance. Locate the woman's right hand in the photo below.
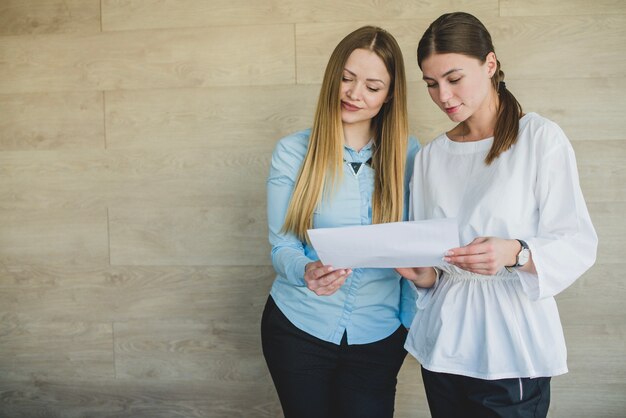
(421, 276)
(324, 280)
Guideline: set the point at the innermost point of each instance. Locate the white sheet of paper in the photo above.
(396, 244)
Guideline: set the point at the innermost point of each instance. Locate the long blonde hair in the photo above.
(322, 164)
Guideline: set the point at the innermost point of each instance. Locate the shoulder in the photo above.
(295, 143)
(434, 145)
(412, 148)
(541, 132)
(289, 152)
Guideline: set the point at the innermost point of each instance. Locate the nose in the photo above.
(444, 93)
(354, 92)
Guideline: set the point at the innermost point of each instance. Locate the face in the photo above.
(364, 87)
(460, 85)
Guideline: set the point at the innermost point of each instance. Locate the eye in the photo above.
(373, 89)
(456, 80)
(344, 78)
(431, 85)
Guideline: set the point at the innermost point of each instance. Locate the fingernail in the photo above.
(446, 259)
(448, 253)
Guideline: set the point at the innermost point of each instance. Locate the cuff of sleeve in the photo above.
(530, 284)
(424, 294)
(297, 271)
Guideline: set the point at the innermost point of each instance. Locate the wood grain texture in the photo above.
(134, 178)
(528, 47)
(222, 349)
(597, 288)
(108, 398)
(125, 293)
(53, 237)
(49, 349)
(410, 395)
(587, 109)
(19, 17)
(220, 118)
(148, 59)
(601, 170)
(583, 399)
(560, 7)
(608, 221)
(51, 121)
(143, 14)
(216, 235)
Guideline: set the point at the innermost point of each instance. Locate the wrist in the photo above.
(522, 256)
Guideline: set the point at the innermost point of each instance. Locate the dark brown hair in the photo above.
(462, 33)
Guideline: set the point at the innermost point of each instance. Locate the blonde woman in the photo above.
(487, 331)
(333, 338)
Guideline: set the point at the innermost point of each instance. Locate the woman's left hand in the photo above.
(484, 255)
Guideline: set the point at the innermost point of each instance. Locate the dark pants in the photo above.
(318, 379)
(457, 396)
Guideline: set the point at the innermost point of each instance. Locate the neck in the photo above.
(356, 136)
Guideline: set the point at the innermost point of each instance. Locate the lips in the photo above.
(347, 106)
(453, 109)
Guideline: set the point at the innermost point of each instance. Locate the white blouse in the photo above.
(506, 325)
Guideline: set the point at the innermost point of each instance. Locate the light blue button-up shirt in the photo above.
(372, 303)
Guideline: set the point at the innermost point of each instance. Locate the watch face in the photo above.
(523, 256)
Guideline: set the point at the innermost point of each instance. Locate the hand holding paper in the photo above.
(389, 245)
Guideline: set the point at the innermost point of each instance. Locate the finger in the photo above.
(317, 273)
(321, 287)
(334, 276)
(471, 259)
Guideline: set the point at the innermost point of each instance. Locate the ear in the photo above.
(491, 64)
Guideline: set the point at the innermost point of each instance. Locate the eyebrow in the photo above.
(444, 74)
(368, 79)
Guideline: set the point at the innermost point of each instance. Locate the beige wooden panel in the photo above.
(138, 178)
(216, 235)
(601, 170)
(223, 349)
(560, 7)
(143, 14)
(234, 118)
(608, 220)
(529, 47)
(245, 55)
(80, 398)
(410, 396)
(583, 399)
(563, 48)
(585, 108)
(49, 16)
(51, 121)
(53, 237)
(47, 349)
(104, 294)
(596, 352)
(601, 291)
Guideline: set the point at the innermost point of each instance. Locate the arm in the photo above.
(565, 244)
(288, 257)
(288, 252)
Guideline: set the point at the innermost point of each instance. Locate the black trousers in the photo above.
(457, 396)
(318, 379)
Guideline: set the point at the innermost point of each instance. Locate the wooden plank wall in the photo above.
(135, 138)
